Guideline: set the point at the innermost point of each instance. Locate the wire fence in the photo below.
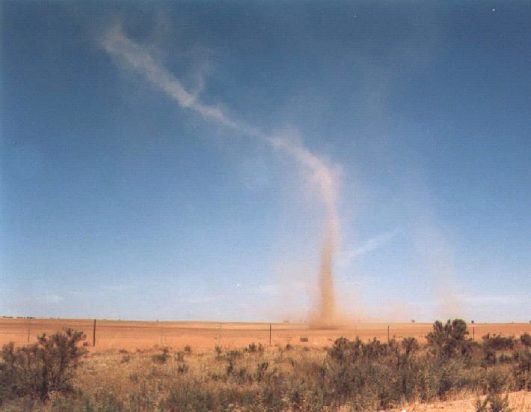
(130, 335)
(110, 334)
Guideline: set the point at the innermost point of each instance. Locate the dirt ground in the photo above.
(130, 335)
(518, 402)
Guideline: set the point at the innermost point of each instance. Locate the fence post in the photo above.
(270, 328)
(94, 333)
(388, 338)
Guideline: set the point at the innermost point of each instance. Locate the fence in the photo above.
(131, 335)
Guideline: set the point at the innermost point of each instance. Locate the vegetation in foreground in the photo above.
(55, 374)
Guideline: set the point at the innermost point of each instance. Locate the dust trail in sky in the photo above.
(314, 168)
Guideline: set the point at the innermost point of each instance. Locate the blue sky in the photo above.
(184, 160)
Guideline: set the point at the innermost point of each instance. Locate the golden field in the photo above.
(130, 335)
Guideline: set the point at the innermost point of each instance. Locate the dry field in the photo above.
(124, 360)
(130, 335)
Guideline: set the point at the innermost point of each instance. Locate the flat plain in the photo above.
(130, 335)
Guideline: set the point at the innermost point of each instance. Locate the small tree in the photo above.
(449, 340)
(410, 346)
(525, 339)
(42, 368)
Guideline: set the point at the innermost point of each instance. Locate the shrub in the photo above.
(493, 403)
(233, 354)
(344, 350)
(449, 340)
(498, 342)
(42, 368)
(497, 380)
(254, 348)
(526, 339)
(410, 346)
(261, 369)
(522, 369)
(161, 357)
(188, 397)
(448, 376)
(374, 374)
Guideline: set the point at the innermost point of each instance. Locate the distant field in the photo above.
(112, 334)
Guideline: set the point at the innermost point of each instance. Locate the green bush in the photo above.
(498, 342)
(526, 339)
(254, 348)
(449, 340)
(410, 346)
(498, 380)
(522, 369)
(376, 375)
(161, 357)
(38, 370)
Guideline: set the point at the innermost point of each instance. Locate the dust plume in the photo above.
(324, 177)
(326, 316)
(437, 260)
(314, 169)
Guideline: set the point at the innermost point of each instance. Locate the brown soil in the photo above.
(518, 402)
(111, 334)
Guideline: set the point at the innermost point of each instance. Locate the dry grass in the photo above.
(299, 376)
(138, 382)
(138, 379)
